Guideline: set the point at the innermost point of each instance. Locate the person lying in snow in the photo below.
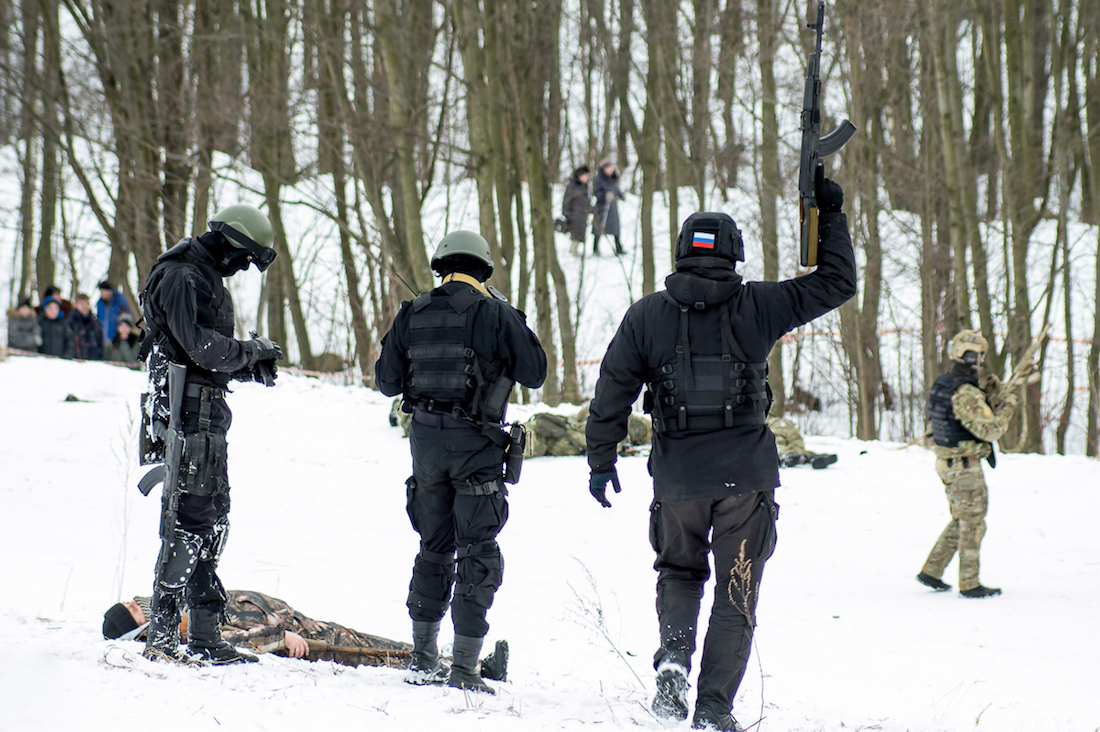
(792, 450)
(269, 625)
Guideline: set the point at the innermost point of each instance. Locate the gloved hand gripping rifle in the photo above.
(169, 471)
(811, 171)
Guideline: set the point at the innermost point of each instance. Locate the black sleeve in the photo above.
(523, 352)
(622, 375)
(389, 369)
(177, 296)
(797, 301)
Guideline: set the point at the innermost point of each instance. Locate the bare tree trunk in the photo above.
(45, 266)
(770, 184)
(28, 132)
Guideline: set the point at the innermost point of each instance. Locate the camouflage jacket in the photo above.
(787, 437)
(971, 408)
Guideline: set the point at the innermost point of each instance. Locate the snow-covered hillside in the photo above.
(847, 638)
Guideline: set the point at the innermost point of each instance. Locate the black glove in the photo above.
(266, 349)
(830, 196)
(597, 485)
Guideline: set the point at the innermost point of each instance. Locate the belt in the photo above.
(444, 421)
(196, 390)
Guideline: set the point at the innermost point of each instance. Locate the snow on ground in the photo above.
(847, 639)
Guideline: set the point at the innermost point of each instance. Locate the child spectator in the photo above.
(126, 344)
(55, 292)
(111, 305)
(23, 331)
(57, 338)
(87, 331)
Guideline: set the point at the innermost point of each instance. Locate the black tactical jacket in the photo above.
(187, 300)
(735, 460)
(499, 335)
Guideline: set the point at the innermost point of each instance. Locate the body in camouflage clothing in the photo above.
(791, 448)
(968, 407)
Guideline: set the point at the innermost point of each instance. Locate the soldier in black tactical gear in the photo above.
(701, 348)
(189, 313)
(454, 354)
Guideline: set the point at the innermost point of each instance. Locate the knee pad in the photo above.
(184, 552)
(213, 543)
(480, 571)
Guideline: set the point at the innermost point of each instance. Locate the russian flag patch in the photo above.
(702, 240)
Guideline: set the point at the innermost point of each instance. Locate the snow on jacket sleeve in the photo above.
(178, 293)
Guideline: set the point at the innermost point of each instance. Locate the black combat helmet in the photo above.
(710, 234)
(246, 227)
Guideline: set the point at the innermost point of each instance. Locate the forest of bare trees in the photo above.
(979, 123)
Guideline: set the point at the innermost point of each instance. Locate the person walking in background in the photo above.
(701, 348)
(111, 305)
(575, 207)
(606, 193)
(87, 331)
(57, 337)
(24, 333)
(454, 354)
(126, 345)
(964, 426)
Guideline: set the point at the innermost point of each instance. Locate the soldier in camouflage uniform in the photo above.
(966, 418)
(268, 624)
(792, 450)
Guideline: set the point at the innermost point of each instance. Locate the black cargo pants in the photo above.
(456, 502)
(740, 532)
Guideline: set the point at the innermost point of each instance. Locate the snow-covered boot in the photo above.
(162, 641)
(207, 642)
(980, 591)
(672, 691)
(707, 718)
(934, 582)
(495, 665)
(424, 665)
(464, 666)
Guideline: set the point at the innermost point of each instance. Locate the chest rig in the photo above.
(703, 393)
(947, 430)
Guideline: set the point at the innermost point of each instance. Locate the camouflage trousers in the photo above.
(338, 635)
(968, 499)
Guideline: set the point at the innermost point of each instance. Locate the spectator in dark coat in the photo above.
(575, 207)
(87, 331)
(126, 345)
(111, 305)
(55, 292)
(606, 193)
(57, 338)
(23, 331)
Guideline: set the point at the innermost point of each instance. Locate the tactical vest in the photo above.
(947, 430)
(445, 375)
(216, 314)
(696, 393)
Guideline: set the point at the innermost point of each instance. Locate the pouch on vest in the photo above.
(203, 468)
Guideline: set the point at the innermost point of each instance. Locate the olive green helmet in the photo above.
(463, 242)
(968, 346)
(247, 227)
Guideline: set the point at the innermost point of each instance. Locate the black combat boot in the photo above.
(424, 665)
(495, 665)
(980, 591)
(792, 459)
(671, 701)
(464, 665)
(162, 641)
(207, 642)
(819, 462)
(707, 718)
(929, 581)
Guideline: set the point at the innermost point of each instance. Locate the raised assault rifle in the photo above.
(814, 147)
(1023, 372)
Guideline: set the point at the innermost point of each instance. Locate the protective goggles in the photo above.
(262, 256)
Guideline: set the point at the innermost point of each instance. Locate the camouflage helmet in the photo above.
(247, 227)
(463, 242)
(968, 346)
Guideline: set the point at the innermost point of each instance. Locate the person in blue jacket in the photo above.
(111, 305)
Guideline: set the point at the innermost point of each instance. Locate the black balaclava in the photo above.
(228, 259)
